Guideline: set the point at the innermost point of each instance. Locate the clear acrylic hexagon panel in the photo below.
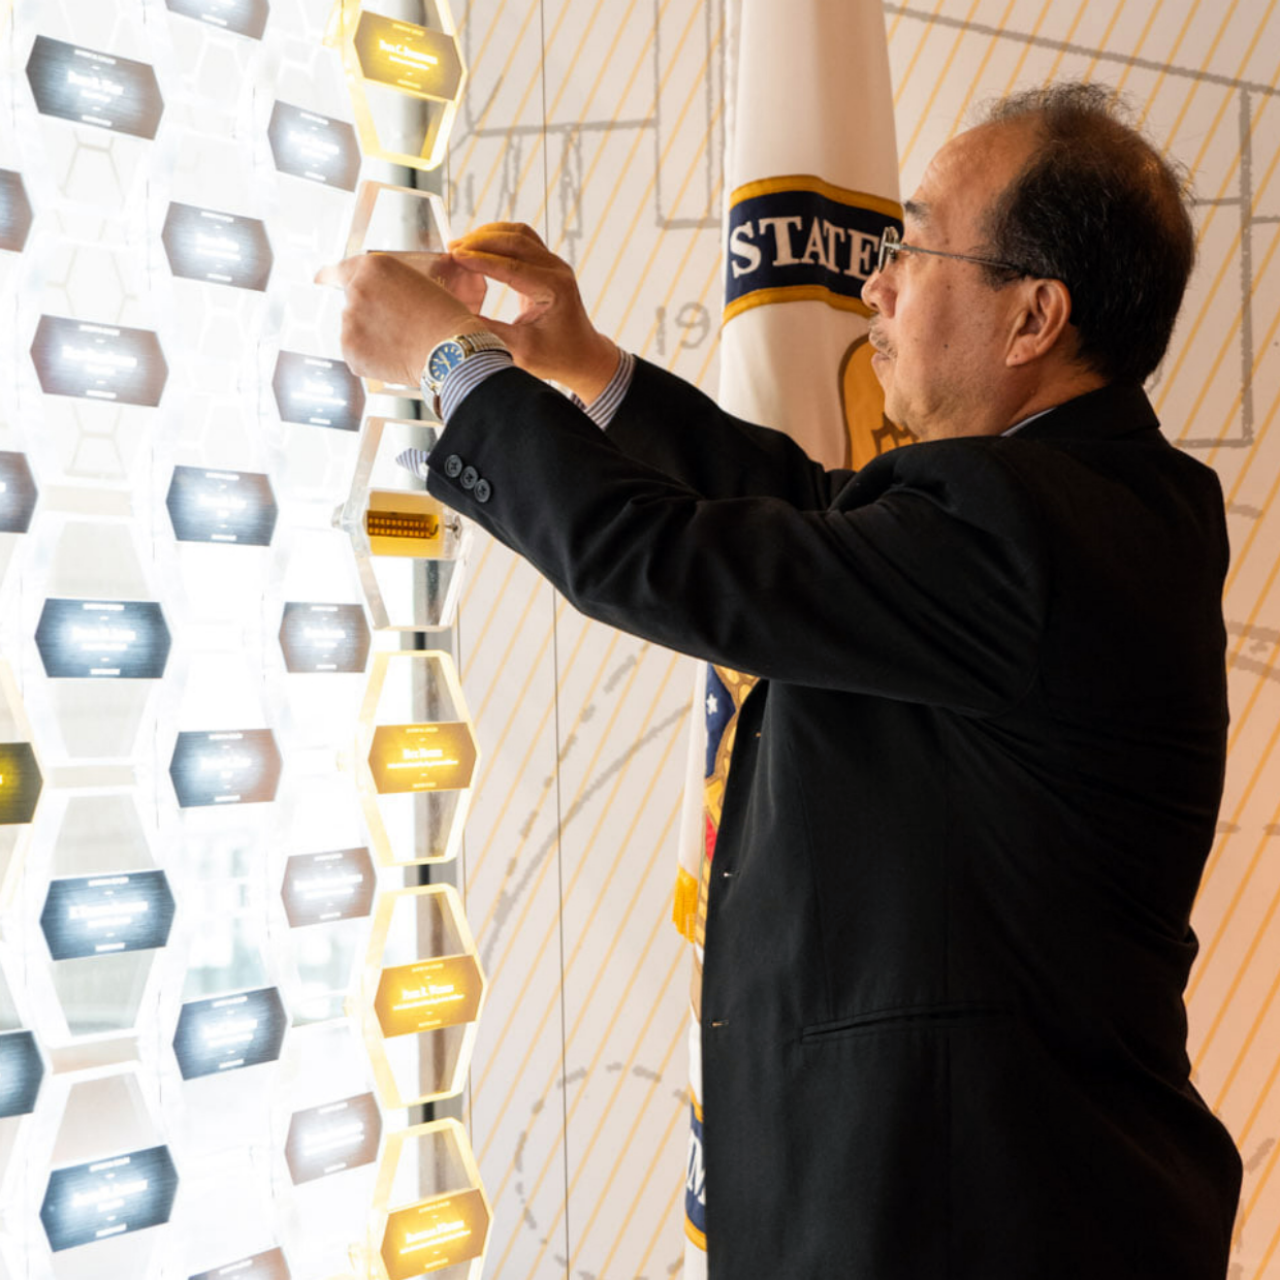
(413, 225)
(410, 549)
(398, 53)
(105, 914)
(422, 996)
(431, 1214)
(327, 898)
(415, 757)
(97, 592)
(108, 1138)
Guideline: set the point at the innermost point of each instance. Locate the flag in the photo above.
(811, 172)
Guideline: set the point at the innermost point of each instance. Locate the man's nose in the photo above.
(874, 292)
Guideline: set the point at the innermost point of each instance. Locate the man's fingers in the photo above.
(507, 243)
(338, 274)
(522, 230)
(529, 279)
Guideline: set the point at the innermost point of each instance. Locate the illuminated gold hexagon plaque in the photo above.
(419, 1016)
(406, 758)
(444, 1229)
(410, 549)
(414, 778)
(387, 59)
(21, 781)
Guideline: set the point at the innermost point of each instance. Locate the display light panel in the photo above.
(89, 1202)
(236, 508)
(235, 766)
(99, 361)
(442, 992)
(21, 1071)
(317, 392)
(15, 212)
(324, 638)
(20, 783)
(101, 915)
(220, 248)
(387, 58)
(244, 17)
(435, 1234)
(90, 87)
(103, 639)
(332, 1138)
(401, 55)
(449, 1227)
(322, 888)
(410, 549)
(17, 493)
(422, 757)
(315, 147)
(429, 764)
(229, 1032)
(268, 1265)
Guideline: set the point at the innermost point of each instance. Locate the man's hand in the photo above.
(552, 336)
(395, 314)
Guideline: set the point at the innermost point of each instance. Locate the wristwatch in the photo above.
(448, 355)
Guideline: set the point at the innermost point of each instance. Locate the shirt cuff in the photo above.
(605, 405)
(460, 381)
(466, 377)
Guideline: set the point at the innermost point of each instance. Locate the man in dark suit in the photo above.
(972, 793)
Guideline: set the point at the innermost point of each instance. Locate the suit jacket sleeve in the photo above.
(918, 580)
(717, 455)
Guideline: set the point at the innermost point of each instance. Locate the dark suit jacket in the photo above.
(967, 812)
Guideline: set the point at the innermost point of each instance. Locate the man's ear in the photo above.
(1040, 323)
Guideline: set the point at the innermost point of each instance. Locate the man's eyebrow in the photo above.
(916, 210)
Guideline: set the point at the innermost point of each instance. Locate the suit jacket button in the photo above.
(484, 490)
(453, 466)
(469, 477)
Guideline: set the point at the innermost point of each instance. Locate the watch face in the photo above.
(448, 355)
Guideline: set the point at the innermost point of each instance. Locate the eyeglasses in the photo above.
(891, 245)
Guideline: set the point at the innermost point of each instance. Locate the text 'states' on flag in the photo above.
(798, 237)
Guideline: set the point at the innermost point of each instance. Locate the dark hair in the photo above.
(1099, 208)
